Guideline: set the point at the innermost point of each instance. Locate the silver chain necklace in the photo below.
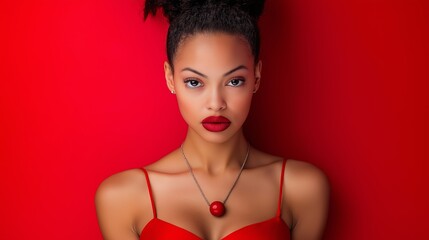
(217, 208)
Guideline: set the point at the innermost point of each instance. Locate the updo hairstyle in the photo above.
(188, 17)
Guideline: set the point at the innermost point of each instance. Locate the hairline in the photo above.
(209, 31)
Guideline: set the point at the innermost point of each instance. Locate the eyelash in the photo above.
(189, 82)
(242, 80)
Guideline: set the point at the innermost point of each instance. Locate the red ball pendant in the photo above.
(217, 209)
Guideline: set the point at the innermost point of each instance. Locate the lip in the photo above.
(216, 123)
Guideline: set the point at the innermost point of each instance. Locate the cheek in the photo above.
(188, 107)
(240, 105)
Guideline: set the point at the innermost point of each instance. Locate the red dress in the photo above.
(271, 229)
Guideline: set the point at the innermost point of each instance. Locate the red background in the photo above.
(345, 87)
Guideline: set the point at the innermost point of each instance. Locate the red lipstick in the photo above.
(216, 123)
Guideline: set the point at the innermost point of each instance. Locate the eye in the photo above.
(192, 83)
(236, 82)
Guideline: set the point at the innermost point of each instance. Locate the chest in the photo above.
(181, 209)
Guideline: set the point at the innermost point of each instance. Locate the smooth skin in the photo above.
(214, 74)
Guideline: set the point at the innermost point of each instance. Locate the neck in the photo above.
(215, 157)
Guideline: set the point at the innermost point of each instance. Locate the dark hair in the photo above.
(188, 17)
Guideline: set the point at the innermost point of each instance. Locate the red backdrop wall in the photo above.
(345, 87)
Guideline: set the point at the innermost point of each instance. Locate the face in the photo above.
(214, 76)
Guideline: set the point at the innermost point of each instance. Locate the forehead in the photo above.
(213, 49)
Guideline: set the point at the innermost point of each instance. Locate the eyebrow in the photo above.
(235, 69)
(194, 71)
(205, 76)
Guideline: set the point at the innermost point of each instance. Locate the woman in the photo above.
(215, 185)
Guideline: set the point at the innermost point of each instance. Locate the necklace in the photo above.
(217, 208)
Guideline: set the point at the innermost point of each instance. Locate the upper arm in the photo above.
(114, 209)
(309, 202)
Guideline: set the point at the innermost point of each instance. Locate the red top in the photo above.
(271, 229)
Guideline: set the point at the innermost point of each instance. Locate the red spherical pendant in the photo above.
(217, 209)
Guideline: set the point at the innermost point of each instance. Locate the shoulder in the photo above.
(305, 180)
(120, 185)
(307, 195)
(304, 171)
(120, 199)
(121, 192)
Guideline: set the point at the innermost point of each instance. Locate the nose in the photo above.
(216, 100)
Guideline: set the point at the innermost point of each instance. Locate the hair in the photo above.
(189, 17)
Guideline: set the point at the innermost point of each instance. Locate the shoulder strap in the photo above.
(150, 192)
(279, 208)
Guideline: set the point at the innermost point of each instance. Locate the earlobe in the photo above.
(168, 71)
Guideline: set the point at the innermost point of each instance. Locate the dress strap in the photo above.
(150, 192)
(279, 208)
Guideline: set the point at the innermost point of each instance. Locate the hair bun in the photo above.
(173, 8)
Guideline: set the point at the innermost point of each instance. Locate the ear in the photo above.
(258, 69)
(168, 71)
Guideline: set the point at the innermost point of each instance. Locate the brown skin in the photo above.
(122, 200)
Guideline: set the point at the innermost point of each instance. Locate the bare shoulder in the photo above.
(118, 200)
(120, 185)
(307, 196)
(302, 180)
(301, 169)
(305, 180)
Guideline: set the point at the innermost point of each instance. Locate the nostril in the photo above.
(217, 108)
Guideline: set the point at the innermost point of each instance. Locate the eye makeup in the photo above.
(192, 83)
(236, 82)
